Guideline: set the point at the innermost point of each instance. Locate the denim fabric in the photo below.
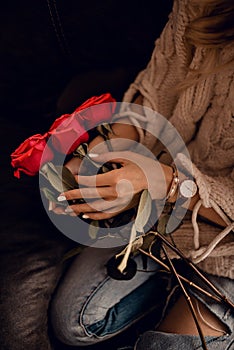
(153, 340)
(158, 340)
(91, 307)
(135, 305)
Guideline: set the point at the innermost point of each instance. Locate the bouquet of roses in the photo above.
(67, 136)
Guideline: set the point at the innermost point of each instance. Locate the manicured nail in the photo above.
(61, 198)
(68, 210)
(93, 155)
(85, 216)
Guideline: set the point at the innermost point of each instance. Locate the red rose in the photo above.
(96, 110)
(58, 121)
(28, 156)
(69, 131)
(68, 134)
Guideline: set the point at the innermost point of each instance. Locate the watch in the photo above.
(188, 188)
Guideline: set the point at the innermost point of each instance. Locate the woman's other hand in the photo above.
(115, 191)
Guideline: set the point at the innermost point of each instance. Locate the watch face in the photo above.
(188, 188)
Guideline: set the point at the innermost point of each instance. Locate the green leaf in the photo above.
(68, 179)
(50, 195)
(59, 177)
(144, 211)
(93, 229)
(172, 224)
(162, 223)
(50, 172)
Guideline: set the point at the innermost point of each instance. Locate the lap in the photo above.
(89, 306)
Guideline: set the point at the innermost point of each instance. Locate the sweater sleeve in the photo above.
(215, 191)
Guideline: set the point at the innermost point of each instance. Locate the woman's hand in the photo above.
(118, 190)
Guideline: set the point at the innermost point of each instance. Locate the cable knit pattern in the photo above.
(203, 114)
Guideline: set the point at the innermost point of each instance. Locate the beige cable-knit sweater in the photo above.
(203, 114)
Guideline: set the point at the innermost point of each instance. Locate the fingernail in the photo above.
(61, 198)
(68, 210)
(93, 155)
(85, 216)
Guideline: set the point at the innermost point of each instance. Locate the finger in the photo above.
(59, 211)
(101, 215)
(116, 210)
(107, 193)
(114, 157)
(95, 206)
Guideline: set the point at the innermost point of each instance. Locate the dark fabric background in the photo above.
(48, 66)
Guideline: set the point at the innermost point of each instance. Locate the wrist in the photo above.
(172, 191)
(172, 183)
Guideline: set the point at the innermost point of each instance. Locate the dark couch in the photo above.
(53, 56)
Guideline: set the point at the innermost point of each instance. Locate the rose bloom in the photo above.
(69, 131)
(27, 157)
(67, 134)
(96, 110)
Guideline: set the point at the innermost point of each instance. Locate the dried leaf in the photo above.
(104, 130)
(137, 244)
(81, 151)
(108, 128)
(148, 239)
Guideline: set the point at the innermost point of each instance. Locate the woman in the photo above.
(189, 81)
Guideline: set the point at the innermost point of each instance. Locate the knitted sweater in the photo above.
(203, 114)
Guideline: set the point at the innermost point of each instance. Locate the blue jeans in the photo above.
(90, 307)
(153, 340)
